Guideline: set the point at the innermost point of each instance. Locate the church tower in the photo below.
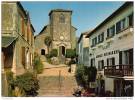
(61, 30)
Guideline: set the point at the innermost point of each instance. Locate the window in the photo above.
(111, 31)
(101, 38)
(126, 57)
(100, 64)
(123, 23)
(131, 20)
(42, 52)
(23, 56)
(94, 41)
(93, 62)
(62, 18)
(110, 61)
(28, 32)
(22, 26)
(118, 27)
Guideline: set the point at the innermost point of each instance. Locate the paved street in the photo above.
(56, 81)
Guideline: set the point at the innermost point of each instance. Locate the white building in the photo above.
(83, 51)
(111, 51)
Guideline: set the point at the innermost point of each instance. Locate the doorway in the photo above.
(61, 51)
(42, 52)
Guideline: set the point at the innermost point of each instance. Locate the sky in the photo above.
(85, 16)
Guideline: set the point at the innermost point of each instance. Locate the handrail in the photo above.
(119, 70)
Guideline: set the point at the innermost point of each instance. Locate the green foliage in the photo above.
(54, 53)
(85, 74)
(72, 61)
(9, 75)
(38, 66)
(10, 80)
(92, 72)
(48, 41)
(27, 82)
(48, 56)
(81, 75)
(70, 53)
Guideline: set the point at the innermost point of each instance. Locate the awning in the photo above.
(7, 41)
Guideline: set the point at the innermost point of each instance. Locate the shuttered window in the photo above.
(100, 64)
(23, 56)
(131, 20)
(22, 24)
(118, 27)
(120, 57)
(28, 32)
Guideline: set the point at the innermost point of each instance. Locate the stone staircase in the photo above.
(55, 86)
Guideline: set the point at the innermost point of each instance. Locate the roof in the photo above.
(21, 7)
(74, 27)
(59, 10)
(32, 27)
(43, 29)
(115, 13)
(7, 41)
(84, 33)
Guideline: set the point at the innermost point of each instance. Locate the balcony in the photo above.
(119, 70)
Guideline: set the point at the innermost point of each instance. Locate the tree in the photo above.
(80, 75)
(48, 42)
(38, 65)
(92, 73)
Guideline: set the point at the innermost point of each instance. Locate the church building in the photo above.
(60, 30)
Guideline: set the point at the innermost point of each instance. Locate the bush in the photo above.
(10, 80)
(54, 53)
(38, 66)
(80, 75)
(28, 83)
(92, 72)
(85, 74)
(72, 61)
(48, 56)
(70, 53)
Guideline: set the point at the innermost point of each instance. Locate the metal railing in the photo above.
(118, 70)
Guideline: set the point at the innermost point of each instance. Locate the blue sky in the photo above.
(86, 15)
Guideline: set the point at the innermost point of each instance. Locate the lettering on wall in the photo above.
(108, 53)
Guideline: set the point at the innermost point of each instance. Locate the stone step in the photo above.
(50, 86)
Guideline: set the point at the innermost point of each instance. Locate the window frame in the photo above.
(62, 18)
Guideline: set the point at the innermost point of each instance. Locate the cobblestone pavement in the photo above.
(56, 81)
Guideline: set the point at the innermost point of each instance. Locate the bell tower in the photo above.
(60, 30)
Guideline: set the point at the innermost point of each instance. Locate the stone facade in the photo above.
(39, 39)
(18, 55)
(17, 42)
(60, 30)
